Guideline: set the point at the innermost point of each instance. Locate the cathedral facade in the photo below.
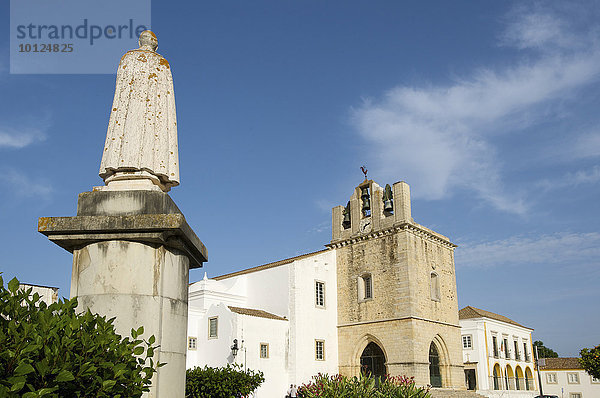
(396, 288)
(381, 298)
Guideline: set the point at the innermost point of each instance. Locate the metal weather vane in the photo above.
(364, 170)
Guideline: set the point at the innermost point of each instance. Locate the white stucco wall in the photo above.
(209, 298)
(563, 388)
(268, 290)
(214, 352)
(309, 322)
(481, 353)
(47, 294)
(251, 332)
(286, 290)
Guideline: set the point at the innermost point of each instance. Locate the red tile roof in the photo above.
(471, 312)
(561, 364)
(257, 313)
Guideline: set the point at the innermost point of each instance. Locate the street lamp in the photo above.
(234, 348)
(539, 362)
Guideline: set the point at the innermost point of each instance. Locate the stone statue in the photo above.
(141, 142)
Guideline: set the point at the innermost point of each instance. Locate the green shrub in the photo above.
(227, 382)
(365, 386)
(51, 351)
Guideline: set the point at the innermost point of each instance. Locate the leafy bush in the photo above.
(227, 382)
(590, 360)
(51, 351)
(365, 386)
(544, 352)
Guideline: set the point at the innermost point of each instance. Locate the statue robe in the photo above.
(142, 130)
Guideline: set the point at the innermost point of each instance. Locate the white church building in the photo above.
(381, 297)
(281, 317)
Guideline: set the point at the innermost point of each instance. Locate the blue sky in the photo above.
(489, 110)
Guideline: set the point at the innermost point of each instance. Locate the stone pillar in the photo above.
(402, 211)
(132, 251)
(337, 216)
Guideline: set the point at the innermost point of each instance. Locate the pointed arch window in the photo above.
(435, 376)
(372, 361)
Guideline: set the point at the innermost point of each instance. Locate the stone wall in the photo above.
(404, 316)
(405, 343)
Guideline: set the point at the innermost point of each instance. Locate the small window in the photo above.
(495, 346)
(368, 286)
(435, 287)
(320, 294)
(467, 343)
(575, 395)
(573, 378)
(192, 343)
(264, 350)
(213, 327)
(365, 287)
(551, 378)
(319, 350)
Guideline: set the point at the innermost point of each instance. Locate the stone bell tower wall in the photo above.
(405, 314)
(402, 210)
(405, 343)
(401, 262)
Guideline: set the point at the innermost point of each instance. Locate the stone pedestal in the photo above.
(132, 251)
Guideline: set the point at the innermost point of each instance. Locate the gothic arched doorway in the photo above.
(372, 360)
(435, 376)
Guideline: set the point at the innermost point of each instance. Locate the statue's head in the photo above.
(148, 41)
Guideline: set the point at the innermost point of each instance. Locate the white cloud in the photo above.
(580, 177)
(321, 227)
(539, 29)
(23, 186)
(12, 138)
(568, 249)
(325, 205)
(439, 137)
(587, 145)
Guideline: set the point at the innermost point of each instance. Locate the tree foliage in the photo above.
(51, 351)
(365, 386)
(226, 382)
(590, 360)
(544, 352)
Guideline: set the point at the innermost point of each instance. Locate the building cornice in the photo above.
(199, 294)
(398, 319)
(415, 229)
(499, 323)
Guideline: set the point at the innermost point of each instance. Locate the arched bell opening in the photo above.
(435, 374)
(372, 361)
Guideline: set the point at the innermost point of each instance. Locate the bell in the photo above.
(346, 223)
(365, 199)
(388, 204)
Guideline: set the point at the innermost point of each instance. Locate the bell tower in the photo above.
(396, 284)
